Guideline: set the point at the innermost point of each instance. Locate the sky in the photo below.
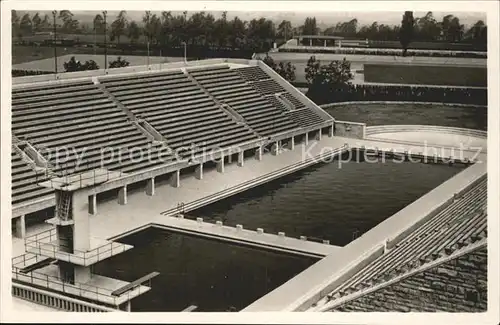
(324, 19)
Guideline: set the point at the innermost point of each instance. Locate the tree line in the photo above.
(425, 28)
(203, 29)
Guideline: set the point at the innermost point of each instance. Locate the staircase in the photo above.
(63, 209)
(223, 106)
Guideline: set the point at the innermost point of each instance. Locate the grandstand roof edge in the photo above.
(21, 82)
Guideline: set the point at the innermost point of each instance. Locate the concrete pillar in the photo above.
(229, 159)
(331, 130)
(307, 138)
(258, 153)
(220, 165)
(175, 179)
(20, 231)
(318, 135)
(127, 306)
(241, 159)
(275, 148)
(198, 172)
(310, 42)
(291, 143)
(122, 195)
(150, 187)
(93, 204)
(82, 273)
(325, 43)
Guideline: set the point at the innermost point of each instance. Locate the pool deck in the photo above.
(113, 220)
(247, 237)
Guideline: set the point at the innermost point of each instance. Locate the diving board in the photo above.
(134, 284)
(37, 265)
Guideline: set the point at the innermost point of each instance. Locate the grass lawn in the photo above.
(21, 54)
(426, 75)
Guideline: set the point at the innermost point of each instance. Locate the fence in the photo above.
(386, 51)
(56, 301)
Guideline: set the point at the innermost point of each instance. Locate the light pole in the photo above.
(185, 59)
(104, 13)
(148, 54)
(54, 13)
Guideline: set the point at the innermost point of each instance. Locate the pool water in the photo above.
(210, 274)
(331, 201)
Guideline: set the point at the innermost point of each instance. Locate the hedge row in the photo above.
(386, 52)
(399, 93)
(23, 73)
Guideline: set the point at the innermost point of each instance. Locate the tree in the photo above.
(270, 62)
(285, 29)
(74, 65)
(222, 30)
(45, 22)
(286, 70)
(238, 35)
(310, 27)
(478, 34)
(119, 63)
(330, 78)
(15, 21)
(98, 23)
(166, 27)
(25, 25)
(407, 31)
(452, 30)
(69, 25)
(427, 28)
(90, 65)
(118, 26)
(133, 32)
(36, 22)
(312, 69)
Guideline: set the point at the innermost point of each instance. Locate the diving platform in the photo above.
(98, 289)
(60, 258)
(47, 244)
(37, 265)
(74, 182)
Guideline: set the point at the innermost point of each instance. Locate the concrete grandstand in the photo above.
(186, 115)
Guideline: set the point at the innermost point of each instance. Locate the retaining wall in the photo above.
(350, 129)
(377, 129)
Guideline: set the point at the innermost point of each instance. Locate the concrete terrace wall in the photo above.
(373, 130)
(458, 285)
(50, 78)
(324, 106)
(350, 129)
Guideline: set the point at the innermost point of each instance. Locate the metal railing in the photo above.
(46, 243)
(83, 290)
(56, 301)
(77, 178)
